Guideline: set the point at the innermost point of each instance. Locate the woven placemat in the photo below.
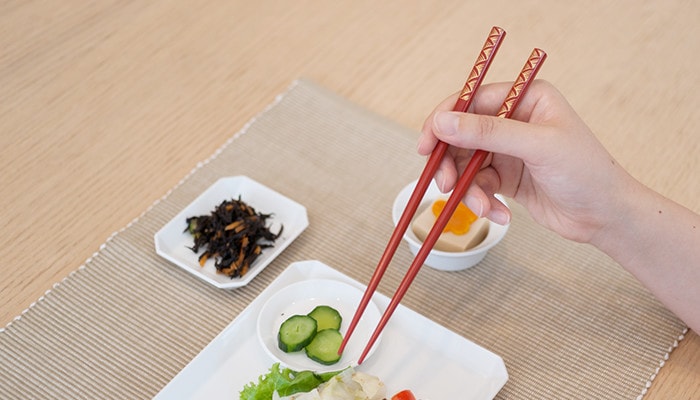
(568, 321)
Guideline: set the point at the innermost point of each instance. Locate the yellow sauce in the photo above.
(460, 221)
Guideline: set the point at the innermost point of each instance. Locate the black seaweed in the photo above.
(234, 234)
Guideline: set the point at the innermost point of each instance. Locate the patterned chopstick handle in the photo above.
(483, 61)
(526, 76)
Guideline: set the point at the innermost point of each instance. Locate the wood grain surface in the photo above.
(107, 105)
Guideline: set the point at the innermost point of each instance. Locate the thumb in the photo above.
(489, 133)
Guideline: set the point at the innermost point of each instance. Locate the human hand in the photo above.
(545, 158)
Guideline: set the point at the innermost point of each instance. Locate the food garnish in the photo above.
(234, 234)
(404, 395)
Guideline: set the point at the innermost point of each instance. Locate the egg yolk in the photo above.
(460, 221)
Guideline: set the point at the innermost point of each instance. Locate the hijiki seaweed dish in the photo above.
(234, 234)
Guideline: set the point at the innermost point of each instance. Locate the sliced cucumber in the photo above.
(296, 333)
(324, 347)
(327, 317)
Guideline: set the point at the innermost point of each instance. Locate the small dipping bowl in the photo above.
(445, 260)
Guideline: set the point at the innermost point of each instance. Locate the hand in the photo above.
(545, 158)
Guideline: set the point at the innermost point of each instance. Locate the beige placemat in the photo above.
(568, 321)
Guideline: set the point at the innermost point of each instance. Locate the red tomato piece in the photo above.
(404, 395)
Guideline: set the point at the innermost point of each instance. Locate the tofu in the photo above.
(449, 241)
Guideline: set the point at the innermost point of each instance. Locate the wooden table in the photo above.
(107, 105)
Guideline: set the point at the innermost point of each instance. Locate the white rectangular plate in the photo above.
(173, 244)
(415, 353)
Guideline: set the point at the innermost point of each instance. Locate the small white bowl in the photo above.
(302, 297)
(445, 260)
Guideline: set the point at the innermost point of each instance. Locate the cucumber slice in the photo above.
(326, 317)
(296, 333)
(324, 347)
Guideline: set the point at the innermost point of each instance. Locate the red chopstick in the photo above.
(525, 78)
(476, 76)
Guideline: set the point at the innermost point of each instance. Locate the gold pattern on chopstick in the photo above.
(531, 66)
(490, 46)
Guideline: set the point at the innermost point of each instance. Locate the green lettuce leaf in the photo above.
(283, 380)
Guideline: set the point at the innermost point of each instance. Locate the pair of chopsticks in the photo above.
(476, 76)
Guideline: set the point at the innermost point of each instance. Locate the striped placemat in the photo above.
(567, 320)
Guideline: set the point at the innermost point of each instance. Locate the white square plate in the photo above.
(415, 353)
(173, 243)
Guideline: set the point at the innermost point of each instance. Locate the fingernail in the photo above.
(420, 142)
(446, 123)
(440, 180)
(500, 217)
(474, 204)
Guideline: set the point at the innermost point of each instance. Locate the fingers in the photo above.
(480, 197)
(489, 98)
(487, 206)
(533, 134)
(427, 141)
(499, 213)
(540, 97)
(487, 101)
(496, 135)
(446, 175)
